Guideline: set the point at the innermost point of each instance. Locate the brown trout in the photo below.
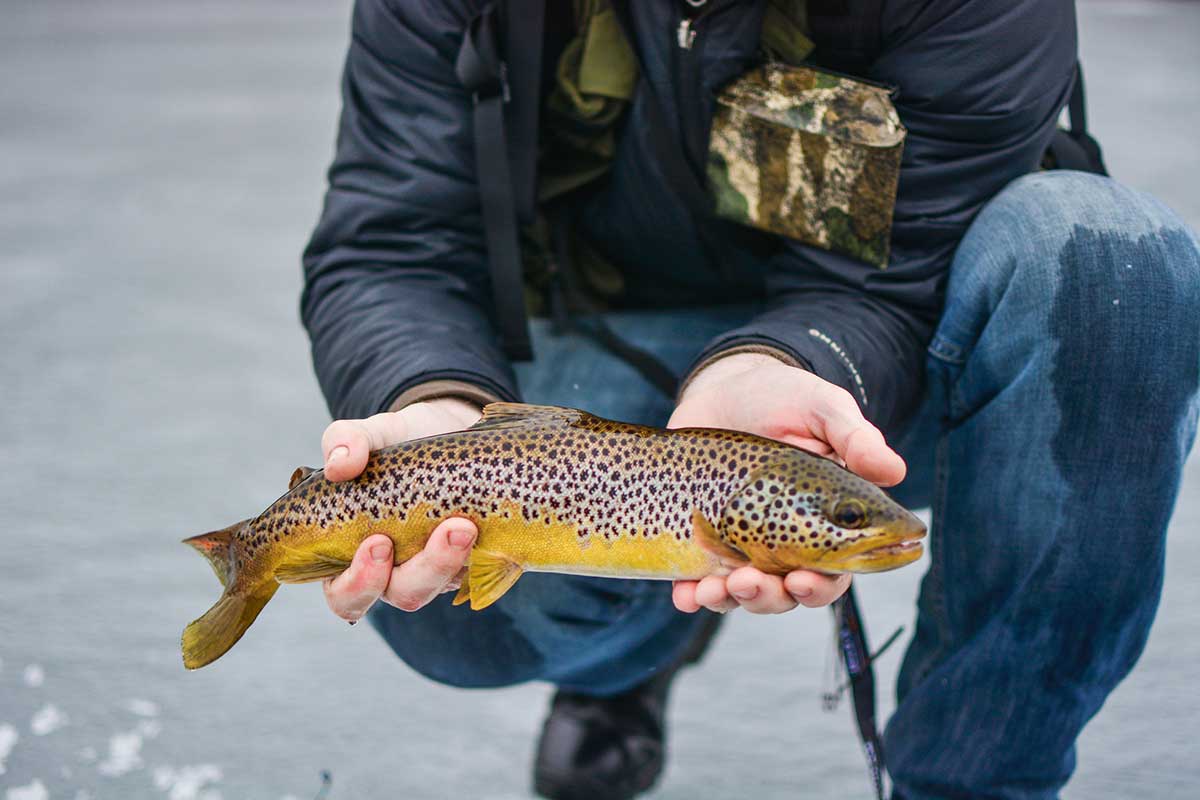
(559, 490)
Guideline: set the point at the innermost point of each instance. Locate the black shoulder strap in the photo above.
(506, 174)
(524, 27)
(1076, 148)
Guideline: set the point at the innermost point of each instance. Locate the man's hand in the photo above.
(371, 576)
(759, 394)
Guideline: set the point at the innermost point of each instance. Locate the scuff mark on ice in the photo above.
(124, 754)
(143, 708)
(32, 791)
(149, 728)
(34, 676)
(47, 720)
(8, 738)
(187, 783)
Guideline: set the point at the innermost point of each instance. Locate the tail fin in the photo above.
(208, 638)
(217, 547)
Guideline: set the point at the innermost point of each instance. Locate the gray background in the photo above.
(161, 164)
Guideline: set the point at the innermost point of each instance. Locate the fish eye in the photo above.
(850, 514)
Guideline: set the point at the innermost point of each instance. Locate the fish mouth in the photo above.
(879, 558)
(887, 549)
(909, 549)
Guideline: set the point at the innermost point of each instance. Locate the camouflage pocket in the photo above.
(808, 155)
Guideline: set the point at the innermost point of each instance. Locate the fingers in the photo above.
(758, 592)
(683, 595)
(712, 594)
(347, 443)
(812, 589)
(350, 594)
(857, 442)
(747, 587)
(433, 570)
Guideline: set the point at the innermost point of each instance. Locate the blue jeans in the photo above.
(1060, 404)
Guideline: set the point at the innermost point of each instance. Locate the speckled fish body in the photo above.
(558, 490)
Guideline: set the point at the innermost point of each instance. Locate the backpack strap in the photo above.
(1075, 148)
(524, 27)
(506, 175)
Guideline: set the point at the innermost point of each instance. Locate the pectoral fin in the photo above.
(489, 577)
(301, 566)
(708, 538)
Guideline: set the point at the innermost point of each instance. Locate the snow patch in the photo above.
(124, 754)
(48, 719)
(34, 791)
(143, 708)
(88, 754)
(188, 783)
(8, 738)
(34, 676)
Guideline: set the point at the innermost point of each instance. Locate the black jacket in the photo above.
(397, 291)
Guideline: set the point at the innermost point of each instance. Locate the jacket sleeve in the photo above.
(396, 289)
(981, 86)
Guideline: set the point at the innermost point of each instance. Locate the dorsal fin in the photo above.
(299, 475)
(512, 415)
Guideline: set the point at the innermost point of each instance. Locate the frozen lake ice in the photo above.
(162, 166)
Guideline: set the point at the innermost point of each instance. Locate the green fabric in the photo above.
(594, 80)
(785, 31)
(609, 67)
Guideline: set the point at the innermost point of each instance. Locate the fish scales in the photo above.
(573, 493)
(559, 490)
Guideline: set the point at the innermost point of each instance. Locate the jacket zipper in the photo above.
(685, 34)
(687, 78)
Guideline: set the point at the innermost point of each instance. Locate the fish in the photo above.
(559, 490)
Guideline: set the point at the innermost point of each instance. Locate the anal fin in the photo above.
(489, 577)
(303, 566)
(708, 538)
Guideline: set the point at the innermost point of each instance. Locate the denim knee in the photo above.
(1081, 264)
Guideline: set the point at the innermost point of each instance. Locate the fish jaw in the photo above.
(887, 547)
(881, 558)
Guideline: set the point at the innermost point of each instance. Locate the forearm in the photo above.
(384, 341)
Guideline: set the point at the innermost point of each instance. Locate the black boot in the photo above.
(610, 748)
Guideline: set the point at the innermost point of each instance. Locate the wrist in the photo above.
(729, 364)
(459, 411)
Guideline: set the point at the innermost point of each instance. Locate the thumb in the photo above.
(856, 441)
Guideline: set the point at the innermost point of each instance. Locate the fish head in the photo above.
(806, 512)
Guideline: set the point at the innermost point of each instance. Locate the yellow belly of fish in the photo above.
(507, 542)
(557, 547)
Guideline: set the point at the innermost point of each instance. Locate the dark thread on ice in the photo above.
(326, 785)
